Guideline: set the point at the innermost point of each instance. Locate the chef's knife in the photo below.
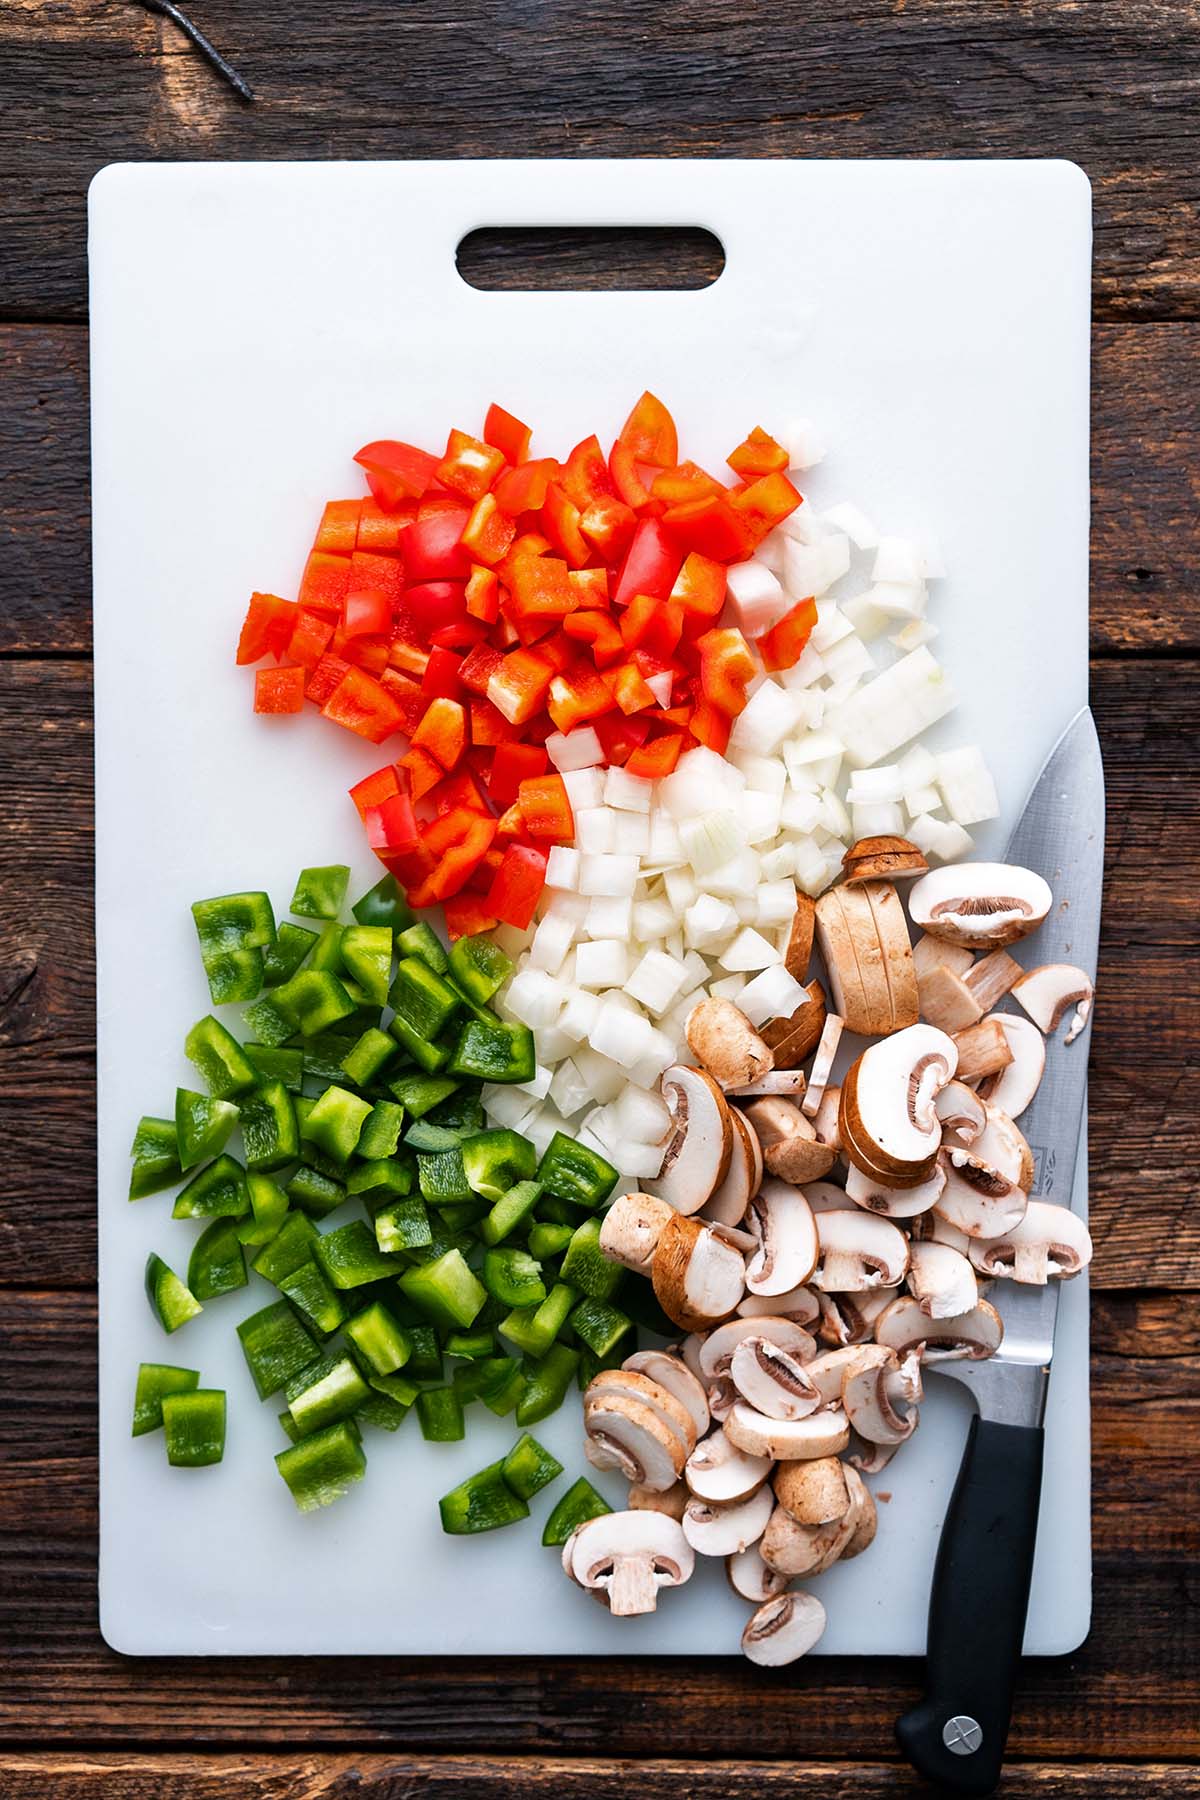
(956, 1734)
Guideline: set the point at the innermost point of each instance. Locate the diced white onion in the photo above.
(595, 829)
(562, 867)
(774, 902)
(922, 800)
(708, 921)
(609, 916)
(914, 634)
(578, 1015)
(854, 522)
(534, 998)
(757, 599)
(660, 686)
(608, 875)
(655, 981)
(578, 749)
(601, 963)
(897, 705)
(765, 721)
(967, 786)
(628, 793)
(585, 788)
(803, 442)
(551, 941)
(877, 818)
(709, 840)
(898, 559)
(872, 785)
(539, 1087)
(748, 952)
(701, 780)
(900, 599)
(569, 1090)
(605, 1078)
(631, 833)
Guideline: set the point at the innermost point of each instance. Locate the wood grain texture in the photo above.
(1145, 522)
(1112, 87)
(256, 1777)
(1129, 1693)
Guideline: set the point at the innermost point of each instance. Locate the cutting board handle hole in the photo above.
(583, 258)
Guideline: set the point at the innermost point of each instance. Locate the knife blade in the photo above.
(980, 1596)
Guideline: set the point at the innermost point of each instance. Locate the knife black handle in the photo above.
(977, 1611)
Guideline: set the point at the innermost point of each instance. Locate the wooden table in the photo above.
(83, 82)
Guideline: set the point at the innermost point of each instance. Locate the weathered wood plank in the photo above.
(1146, 520)
(1129, 1693)
(257, 1777)
(1111, 87)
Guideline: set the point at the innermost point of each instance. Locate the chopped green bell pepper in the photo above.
(384, 904)
(442, 1178)
(599, 1325)
(276, 1347)
(509, 1211)
(323, 1467)
(420, 997)
(171, 1302)
(369, 1056)
(445, 1290)
(289, 1249)
(327, 951)
(461, 1112)
(320, 892)
(378, 1335)
(427, 1055)
(425, 1362)
(222, 1062)
(483, 1502)
(351, 1257)
(315, 1192)
(203, 1126)
(330, 1390)
(513, 1277)
(585, 1265)
(234, 975)
(270, 1131)
(380, 1135)
(547, 1241)
(422, 940)
(534, 1328)
(218, 1192)
(367, 954)
(575, 1173)
(234, 922)
(496, 1160)
(502, 1389)
(580, 1503)
(475, 1345)
(310, 1293)
(441, 1415)
(529, 1467)
(217, 1264)
(269, 1023)
(282, 958)
(382, 1411)
(325, 1053)
(154, 1382)
(155, 1153)
(313, 1000)
(194, 1424)
(271, 1063)
(422, 1134)
(546, 1384)
(335, 1122)
(499, 1053)
(404, 1225)
(419, 1094)
(380, 1181)
(479, 966)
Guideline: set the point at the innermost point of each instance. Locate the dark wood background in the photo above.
(1112, 84)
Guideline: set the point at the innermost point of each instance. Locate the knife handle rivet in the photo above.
(962, 1735)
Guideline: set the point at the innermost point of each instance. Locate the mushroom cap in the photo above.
(863, 1535)
(859, 1251)
(814, 1493)
(798, 953)
(721, 1473)
(750, 1578)
(698, 1279)
(782, 1221)
(982, 905)
(728, 1204)
(1046, 992)
(850, 1318)
(979, 1198)
(714, 1530)
(883, 858)
(716, 1352)
(787, 1440)
(783, 1629)
(696, 1159)
(725, 1043)
(1012, 1088)
(868, 1399)
(960, 1110)
(799, 1304)
(829, 1370)
(791, 1083)
(796, 1549)
(631, 1228)
(793, 1039)
(790, 1146)
(891, 1202)
(973, 1335)
(673, 1374)
(827, 1120)
(630, 1383)
(771, 1380)
(888, 1119)
(671, 1501)
(624, 1433)
(630, 1556)
(1050, 1243)
(941, 1279)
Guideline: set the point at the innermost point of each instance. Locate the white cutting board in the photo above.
(252, 325)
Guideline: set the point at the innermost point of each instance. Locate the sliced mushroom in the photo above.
(863, 1535)
(796, 1549)
(789, 1082)
(822, 1067)
(698, 1280)
(947, 1001)
(1045, 994)
(790, 1147)
(725, 1530)
(613, 1383)
(719, 1472)
(941, 1279)
(672, 1373)
(1050, 1243)
(826, 1196)
(981, 905)
(850, 1318)
(787, 1440)
(744, 1178)
(814, 1493)
(992, 977)
(858, 1252)
(854, 960)
(978, 1198)
(716, 1353)
(623, 1433)
(629, 1557)
(771, 1380)
(783, 1630)
(722, 1396)
(689, 1349)
(798, 953)
(888, 1121)
(930, 1229)
(751, 1579)
(871, 1391)
(883, 859)
(631, 1228)
(1002, 1144)
(828, 1371)
(931, 953)
(1013, 1087)
(891, 929)
(826, 1119)
(974, 1335)
(983, 1049)
(793, 1039)
(782, 1221)
(960, 1109)
(724, 1042)
(894, 1203)
(696, 1159)
(799, 1304)
(672, 1501)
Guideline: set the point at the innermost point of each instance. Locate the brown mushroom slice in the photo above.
(814, 1493)
(798, 953)
(792, 1040)
(961, 1111)
(947, 1001)
(978, 1198)
(791, 1083)
(983, 1049)
(931, 953)
(853, 956)
(672, 1373)
(722, 1395)
(866, 1524)
(790, 1147)
(891, 928)
(1013, 1087)
(827, 1196)
(888, 1121)
(941, 1280)
(1051, 1243)
(981, 905)
(859, 1251)
(719, 1472)
(795, 1549)
(696, 1159)
(716, 1352)
(782, 1222)
(725, 1530)
(611, 1383)
(826, 1119)
(828, 1371)
(629, 1557)
(882, 859)
(631, 1228)
(771, 1380)
(970, 1336)
(870, 1389)
(1046, 992)
(1003, 1146)
(743, 1179)
(724, 1042)
(672, 1501)
(799, 1304)
(751, 1579)
(823, 1433)
(689, 1349)
(623, 1433)
(992, 977)
(850, 1318)
(894, 1203)
(930, 1229)
(698, 1279)
(783, 1629)
(822, 1068)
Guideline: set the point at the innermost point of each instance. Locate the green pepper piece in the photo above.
(155, 1153)
(425, 1362)
(313, 1000)
(529, 1467)
(638, 1300)
(369, 1056)
(382, 1411)
(384, 904)
(599, 1325)
(461, 1111)
(496, 1160)
(483, 1013)
(282, 958)
(315, 1192)
(271, 1063)
(442, 1178)
(325, 1053)
(335, 1122)
(367, 954)
(459, 1215)
(419, 1094)
(380, 1181)
(234, 922)
(422, 1134)
(270, 1131)
(380, 1135)
(421, 940)
(276, 1347)
(499, 1053)
(509, 1211)
(218, 1192)
(585, 1265)
(217, 1264)
(580, 1503)
(234, 975)
(403, 1226)
(467, 1378)
(323, 1467)
(320, 892)
(483, 1502)
(445, 1290)
(351, 1257)
(480, 967)
(327, 951)
(575, 1173)
(547, 1241)
(171, 1302)
(474, 1345)
(422, 998)
(289, 1427)
(222, 1062)
(561, 1212)
(378, 1335)
(288, 1250)
(534, 1328)
(330, 1390)
(546, 1384)
(195, 1427)
(268, 1023)
(427, 1055)
(514, 1278)
(203, 1126)
(314, 1299)
(268, 1210)
(154, 1382)
(441, 1416)
(503, 1387)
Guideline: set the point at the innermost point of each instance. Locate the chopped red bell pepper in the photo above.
(519, 686)
(726, 665)
(651, 564)
(483, 595)
(379, 531)
(326, 677)
(600, 631)
(688, 481)
(758, 454)
(457, 791)
(432, 604)
(377, 787)
(710, 726)
(585, 476)
(460, 634)
(523, 489)
(324, 582)
(620, 736)
(783, 645)
(338, 530)
(710, 526)
(407, 696)
(511, 765)
(423, 771)
(517, 885)
(367, 612)
(545, 808)
(396, 472)
(408, 657)
(506, 434)
(442, 731)
(647, 436)
(467, 915)
(590, 587)
(363, 704)
(539, 589)
(700, 588)
(577, 694)
(391, 824)
(459, 842)
(489, 726)
(653, 624)
(431, 546)
(476, 668)
(608, 524)
(279, 690)
(469, 466)
(488, 533)
(268, 627)
(657, 757)
(765, 504)
(530, 543)
(441, 679)
(558, 651)
(629, 689)
(560, 517)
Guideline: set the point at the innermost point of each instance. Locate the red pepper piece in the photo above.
(391, 824)
(396, 472)
(608, 524)
(700, 588)
(483, 595)
(326, 677)
(620, 736)
(710, 526)
(368, 652)
(467, 915)
(647, 436)
(466, 838)
(530, 543)
(477, 666)
(504, 634)
(431, 548)
(656, 758)
(560, 517)
(442, 731)
(517, 885)
(510, 824)
(374, 789)
(338, 530)
(367, 612)
(655, 625)
(457, 791)
(441, 679)
(268, 627)
(519, 686)
(407, 656)
(680, 714)
(578, 694)
(523, 489)
(758, 454)
(424, 771)
(379, 531)
(545, 808)
(325, 581)
(539, 588)
(362, 704)
(629, 689)
(687, 481)
(407, 696)
(506, 433)
(764, 504)
(558, 651)
(585, 476)
(488, 724)
(511, 765)
(651, 564)
(279, 690)
(726, 665)
(462, 634)
(710, 726)
(598, 630)
(469, 466)
(782, 646)
(590, 587)
(488, 533)
(432, 604)
(383, 572)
